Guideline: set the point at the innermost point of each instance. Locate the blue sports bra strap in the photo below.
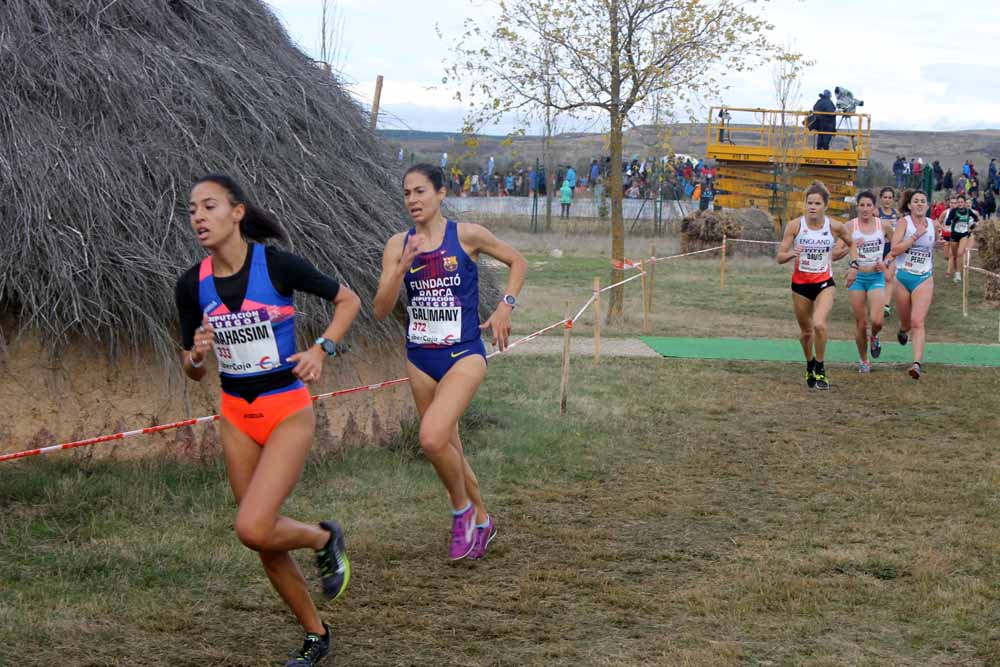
(259, 254)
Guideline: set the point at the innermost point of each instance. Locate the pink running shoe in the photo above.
(484, 535)
(463, 533)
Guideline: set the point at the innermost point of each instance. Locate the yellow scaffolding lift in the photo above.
(766, 156)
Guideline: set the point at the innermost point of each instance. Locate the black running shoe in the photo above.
(811, 373)
(902, 337)
(334, 568)
(821, 381)
(313, 650)
(915, 370)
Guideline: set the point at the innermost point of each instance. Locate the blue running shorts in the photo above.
(436, 361)
(912, 281)
(866, 282)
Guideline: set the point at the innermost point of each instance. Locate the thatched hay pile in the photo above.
(111, 109)
(988, 244)
(704, 229)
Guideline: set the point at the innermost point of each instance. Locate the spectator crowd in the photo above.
(682, 177)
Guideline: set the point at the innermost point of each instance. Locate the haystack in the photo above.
(988, 257)
(110, 110)
(705, 229)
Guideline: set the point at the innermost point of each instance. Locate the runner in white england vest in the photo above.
(812, 241)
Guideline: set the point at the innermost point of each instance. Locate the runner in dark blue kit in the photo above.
(886, 211)
(446, 358)
(960, 221)
(238, 301)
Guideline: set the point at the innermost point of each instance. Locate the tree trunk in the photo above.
(616, 304)
(547, 159)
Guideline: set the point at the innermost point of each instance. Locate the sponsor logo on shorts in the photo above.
(823, 285)
(253, 415)
(455, 355)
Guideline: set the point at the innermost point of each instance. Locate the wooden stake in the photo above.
(722, 265)
(645, 296)
(652, 274)
(375, 102)
(965, 283)
(564, 385)
(597, 320)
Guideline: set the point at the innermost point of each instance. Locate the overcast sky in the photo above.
(918, 65)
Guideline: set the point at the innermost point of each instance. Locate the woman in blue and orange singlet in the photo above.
(812, 242)
(446, 358)
(913, 247)
(238, 301)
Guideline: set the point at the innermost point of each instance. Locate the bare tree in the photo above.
(612, 57)
(786, 79)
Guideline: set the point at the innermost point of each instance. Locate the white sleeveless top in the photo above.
(816, 246)
(869, 245)
(919, 259)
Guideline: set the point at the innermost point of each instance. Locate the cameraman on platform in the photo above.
(825, 123)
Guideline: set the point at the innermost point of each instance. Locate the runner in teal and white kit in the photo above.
(866, 277)
(913, 249)
(446, 359)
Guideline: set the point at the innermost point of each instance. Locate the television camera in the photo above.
(846, 101)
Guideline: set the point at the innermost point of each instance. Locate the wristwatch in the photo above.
(328, 346)
(509, 300)
(854, 264)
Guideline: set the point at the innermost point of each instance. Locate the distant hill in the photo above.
(951, 148)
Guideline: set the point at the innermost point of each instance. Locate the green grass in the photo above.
(756, 303)
(683, 513)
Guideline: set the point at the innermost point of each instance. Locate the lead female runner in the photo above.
(238, 301)
(446, 359)
(812, 242)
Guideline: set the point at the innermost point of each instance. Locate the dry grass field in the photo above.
(683, 513)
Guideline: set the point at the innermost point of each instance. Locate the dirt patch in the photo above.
(83, 394)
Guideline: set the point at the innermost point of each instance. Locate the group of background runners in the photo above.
(238, 302)
(891, 256)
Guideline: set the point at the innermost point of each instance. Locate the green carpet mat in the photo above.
(838, 351)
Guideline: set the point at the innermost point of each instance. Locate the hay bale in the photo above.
(988, 244)
(111, 109)
(704, 229)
